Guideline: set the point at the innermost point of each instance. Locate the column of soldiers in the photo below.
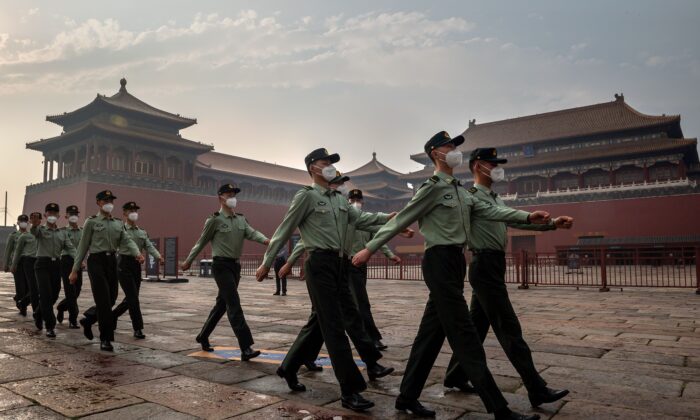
(339, 238)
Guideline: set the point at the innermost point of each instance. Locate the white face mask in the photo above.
(496, 174)
(343, 189)
(231, 202)
(133, 216)
(73, 219)
(453, 158)
(51, 219)
(357, 205)
(328, 173)
(23, 225)
(107, 208)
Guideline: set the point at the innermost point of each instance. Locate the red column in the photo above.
(646, 172)
(550, 183)
(511, 187)
(612, 177)
(681, 169)
(580, 180)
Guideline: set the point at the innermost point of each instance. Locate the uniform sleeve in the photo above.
(532, 226)
(205, 237)
(68, 244)
(84, 244)
(296, 253)
(253, 235)
(295, 215)
(152, 251)
(420, 204)
(362, 219)
(497, 213)
(9, 248)
(125, 240)
(36, 231)
(18, 252)
(387, 251)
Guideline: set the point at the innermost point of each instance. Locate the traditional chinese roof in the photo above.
(607, 117)
(121, 101)
(372, 167)
(254, 168)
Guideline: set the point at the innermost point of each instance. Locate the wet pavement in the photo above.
(623, 354)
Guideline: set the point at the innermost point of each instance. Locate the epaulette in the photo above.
(435, 179)
(308, 188)
(92, 217)
(472, 190)
(216, 213)
(116, 218)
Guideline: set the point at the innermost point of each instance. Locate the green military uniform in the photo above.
(130, 274)
(444, 211)
(23, 260)
(490, 305)
(226, 232)
(51, 242)
(323, 216)
(21, 297)
(71, 291)
(102, 237)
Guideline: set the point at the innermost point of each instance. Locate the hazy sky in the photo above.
(272, 80)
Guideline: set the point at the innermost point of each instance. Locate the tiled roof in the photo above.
(371, 168)
(255, 168)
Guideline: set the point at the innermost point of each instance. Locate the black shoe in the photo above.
(413, 406)
(23, 311)
(87, 329)
(464, 386)
(204, 342)
(51, 333)
(105, 345)
(313, 367)
(59, 316)
(292, 380)
(284, 293)
(39, 324)
(547, 395)
(139, 334)
(249, 353)
(73, 325)
(276, 294)
(356, 402)
(512, 415)
(378, 371)
(379, 345)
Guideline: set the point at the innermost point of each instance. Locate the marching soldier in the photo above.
(102, 235)
(226, 230)
(21, 286)
(444, 209)
(490, 305)
(130, 270)
(23, 260)
(322, 216)
(51, 242)
(71, 291)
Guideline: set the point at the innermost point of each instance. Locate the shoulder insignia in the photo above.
(216, 213)
(472, 190)
(116, 218)
(435, 179)
(308, 188)
(92, 217)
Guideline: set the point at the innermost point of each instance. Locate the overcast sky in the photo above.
(271, 80)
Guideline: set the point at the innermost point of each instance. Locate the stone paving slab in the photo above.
(30, 413)
(144, 411)
(14, 368)
(10, 400)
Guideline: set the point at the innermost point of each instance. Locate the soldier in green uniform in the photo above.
(322, 216)
(490, 305)
(50, 242)
(71, 291)
(130, 270)
(443, 210)
(23, 260)
(21, 297)
(306, 348)
(103, 235)
(226, 230)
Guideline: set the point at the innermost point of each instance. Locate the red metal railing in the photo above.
(603, 268)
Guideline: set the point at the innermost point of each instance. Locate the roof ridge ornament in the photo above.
(122, 82)
(620, 97)
(472, 123)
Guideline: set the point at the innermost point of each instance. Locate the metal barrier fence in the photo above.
(601, 268)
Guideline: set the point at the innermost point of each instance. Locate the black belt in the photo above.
(105, 253)
(226, 259)
(495, 252)
(47, 258)
(334, 252)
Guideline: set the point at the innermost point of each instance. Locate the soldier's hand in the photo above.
(564, 222)
(267, 242)
(261, 272)
(407, 233)
(539, 217)
(7, 269)
(140, 259)
(395, 259)
(185, 266)
(361, 257)
(161, 262)
(73, 277)
(284, 271)
(392, 215)
(82, 265)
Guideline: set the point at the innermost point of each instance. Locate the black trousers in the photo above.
(22, 296)
(71, 291)
(48, 273)
(227, 274)
(102, 271)
(447, 315)
(130, 281)
(491, 307)
(357, 279)
(26, 264)
(280, 280)
(333, 313)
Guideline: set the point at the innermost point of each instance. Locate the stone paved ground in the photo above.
(631, 354)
